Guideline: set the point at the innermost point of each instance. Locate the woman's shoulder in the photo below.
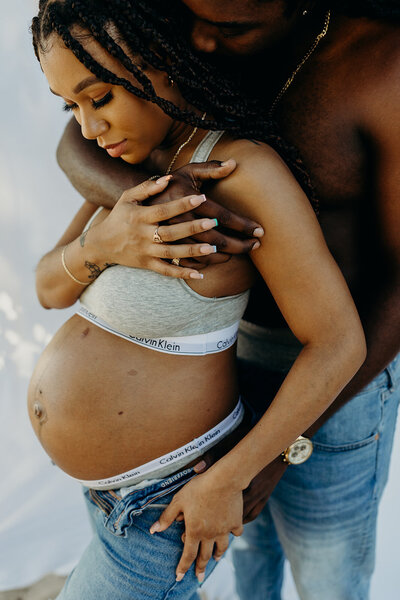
(261, 173)
(244, 150)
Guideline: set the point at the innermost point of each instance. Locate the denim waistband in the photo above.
(277, 349)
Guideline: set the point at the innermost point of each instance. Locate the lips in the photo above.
(116, 150)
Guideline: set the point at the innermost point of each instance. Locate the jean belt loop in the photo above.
(391, 373)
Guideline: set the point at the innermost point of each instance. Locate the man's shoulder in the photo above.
(377, 52)
(374, 62)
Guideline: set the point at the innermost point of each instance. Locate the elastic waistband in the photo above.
(272, 349)
(191, 345)
(177, 459)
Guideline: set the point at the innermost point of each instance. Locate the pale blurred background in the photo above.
(43, 525)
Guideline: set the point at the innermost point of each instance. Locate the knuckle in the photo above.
(166, 252)
(222, 243)
(195, 227)
(224, 216)
(164, 234)
(165, 271)
(162, 212)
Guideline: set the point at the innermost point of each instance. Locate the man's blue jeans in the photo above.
(322, 514)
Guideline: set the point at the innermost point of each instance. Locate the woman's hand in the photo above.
(212, 509)
(127, 235)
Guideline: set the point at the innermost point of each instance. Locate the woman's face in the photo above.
(121, 123)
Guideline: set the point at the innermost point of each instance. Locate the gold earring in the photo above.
(171, 81)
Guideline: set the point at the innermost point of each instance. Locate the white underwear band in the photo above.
(190, 345)
(171, 462)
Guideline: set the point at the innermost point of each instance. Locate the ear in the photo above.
(307, 7)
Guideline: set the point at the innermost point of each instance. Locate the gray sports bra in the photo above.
(147, 307)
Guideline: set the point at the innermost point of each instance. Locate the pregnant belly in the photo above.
(101, 405)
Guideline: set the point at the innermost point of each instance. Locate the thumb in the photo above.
(166, 519)
(207, 460)
(147, 188)
(213, 169)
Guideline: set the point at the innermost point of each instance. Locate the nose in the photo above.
(92, 126)
(204, 37)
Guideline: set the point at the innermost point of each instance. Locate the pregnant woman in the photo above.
(141, 381)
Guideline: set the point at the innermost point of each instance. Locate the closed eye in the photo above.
(68, 107)
(103, 101)
(235, 30)
(95, 103)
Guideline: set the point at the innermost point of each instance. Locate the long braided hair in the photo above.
(157, 31)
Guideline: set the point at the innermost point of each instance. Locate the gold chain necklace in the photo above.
(191, 136)
(171, 164)
(305, 58)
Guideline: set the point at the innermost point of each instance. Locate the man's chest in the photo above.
(320, 120)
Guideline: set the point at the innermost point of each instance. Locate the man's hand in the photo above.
(188, 180)
(260, 489)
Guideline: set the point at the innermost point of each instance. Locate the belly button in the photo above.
(39, 412)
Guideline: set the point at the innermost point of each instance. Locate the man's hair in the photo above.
(155, 31)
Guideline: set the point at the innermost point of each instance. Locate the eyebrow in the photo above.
(91, 80)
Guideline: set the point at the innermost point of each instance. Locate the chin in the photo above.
(132, 160)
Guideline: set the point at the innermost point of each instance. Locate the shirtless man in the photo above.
(342, 111)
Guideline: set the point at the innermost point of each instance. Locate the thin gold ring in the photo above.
(176, 261)
(156, 237)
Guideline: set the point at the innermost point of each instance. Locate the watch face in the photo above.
(299, 451)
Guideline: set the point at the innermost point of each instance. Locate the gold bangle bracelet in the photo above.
(68, 272)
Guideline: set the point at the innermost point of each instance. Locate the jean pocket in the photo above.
(354, 425)
(318, 447)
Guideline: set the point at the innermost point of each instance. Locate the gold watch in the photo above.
(298, 452)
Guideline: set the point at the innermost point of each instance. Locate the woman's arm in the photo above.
(316, 303)
(125, 236)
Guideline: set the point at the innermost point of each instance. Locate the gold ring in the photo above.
(176, 261)
(156, 237)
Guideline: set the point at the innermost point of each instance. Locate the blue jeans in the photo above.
(124, 561)
(322, 514)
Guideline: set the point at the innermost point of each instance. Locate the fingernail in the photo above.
(200, 577)
(180, 576)
(209, 223)
(208, 249)
(163, 179)
(200, 466)
(223, 164)
(217, 558)
(258, 232)
(256, 245)
(196, 200)
(196, 275)
(155, 527)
